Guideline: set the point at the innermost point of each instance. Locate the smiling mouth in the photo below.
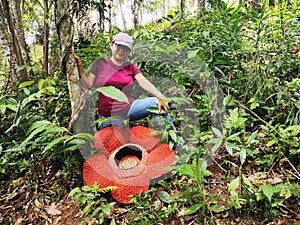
(121, 54)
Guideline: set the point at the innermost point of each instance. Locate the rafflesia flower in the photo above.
(127, 159)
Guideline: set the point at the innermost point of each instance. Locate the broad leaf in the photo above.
(243, 155)
(113, 93)
(164, 197)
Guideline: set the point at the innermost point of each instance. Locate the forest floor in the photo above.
(28, 199)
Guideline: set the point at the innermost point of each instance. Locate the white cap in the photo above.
(123, 39)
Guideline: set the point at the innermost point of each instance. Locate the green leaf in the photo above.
(55, 130)
(217, 208)
(163, 183)
(189, 170)
(74, 191)
(234, 137)
(41, 84)
(269, 191)
(14, 125)
(233, 186)
(155, 110)
(95, 213)
(107, 208)
(32, 134)
(84, 136)
(251, 139)
(38, 124)
(165, 138)
(113, 222)
(88, 208)
(103, 120)
(87, 188)
(272, 142)
(243, 155)
(254, 105)
(55, 142)
(164, 197)
(2, 109)
(113, 93)
(217, 143)
(193, 209)
(230, 146)
(173, 135)
(26, 83)
(217, 132)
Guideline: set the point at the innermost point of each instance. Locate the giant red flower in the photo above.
(127, 159)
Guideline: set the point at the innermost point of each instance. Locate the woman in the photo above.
(116, 72)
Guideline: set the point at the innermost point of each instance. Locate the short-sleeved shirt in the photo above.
(121, 77)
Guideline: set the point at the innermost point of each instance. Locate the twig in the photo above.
(293, 174)
(219, 165)
(292, 166)
(271, 168)
(253, 113)
(120, 215)
(16, 115)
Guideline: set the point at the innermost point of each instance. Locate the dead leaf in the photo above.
(56, 221)
(53, 211)
(275, 180)
(19, 221)
(265, 179)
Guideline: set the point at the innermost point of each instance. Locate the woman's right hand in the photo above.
(79, 66)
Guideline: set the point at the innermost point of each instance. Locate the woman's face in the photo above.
(119, 52)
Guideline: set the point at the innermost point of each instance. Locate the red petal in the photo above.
(110, 138)
(145, 137)
(124, 193)
(160, 158)
(96, 169)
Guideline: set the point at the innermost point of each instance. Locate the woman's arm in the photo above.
(88, 80)
(145, 84)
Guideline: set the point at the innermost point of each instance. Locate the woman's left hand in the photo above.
(162, 105)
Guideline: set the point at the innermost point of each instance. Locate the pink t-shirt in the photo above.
(121, 77)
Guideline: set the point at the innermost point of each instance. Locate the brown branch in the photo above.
(253, 113)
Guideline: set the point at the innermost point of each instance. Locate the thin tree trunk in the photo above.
(17, 35)
(122, 14)
(200, 7)
(78, 98)
(20, 34)
(101, 15)
(134, 9)
(7, 47)
(110, 5)
(46, 38)
(165, 8)
(182, 8)
(54, 51)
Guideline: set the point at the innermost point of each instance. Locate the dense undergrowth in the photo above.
(235, 69)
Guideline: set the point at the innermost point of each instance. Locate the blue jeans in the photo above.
(137, 111)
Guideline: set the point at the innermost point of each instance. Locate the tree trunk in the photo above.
(101, 15)
(271, 3)
(46, 38)
(110, 5)
(54, 52)
(12, 15)
(182, 8)
(134, 9)
(7, 48)
(122, 14)
(80, 110)
(200, 7)
(166, 8)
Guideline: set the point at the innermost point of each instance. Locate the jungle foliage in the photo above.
(239, 69)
